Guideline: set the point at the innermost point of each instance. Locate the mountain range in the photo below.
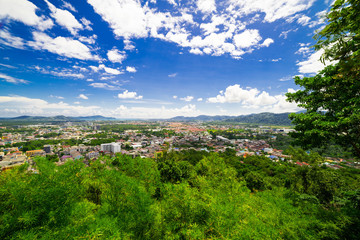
(259, 118)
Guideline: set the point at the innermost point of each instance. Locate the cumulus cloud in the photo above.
(83, 96)
(303, 20)
(125, 17)
(199, 99)
(129, 45)
(175, 97)
(116, 56)
(65, 19)
(187, 98)
(24, 11)
(313, 64)
(206, 6)
(253, 98)
(66, 47)
(222, 32)
(108, 70)
(129, 95)
(172, 75)
(131, 69)
(89, 39)
(13, 80)
(273, 9)
(19, 105)
(267, 42)
(247, 38)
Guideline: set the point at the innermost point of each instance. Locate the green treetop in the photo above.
(332, 97)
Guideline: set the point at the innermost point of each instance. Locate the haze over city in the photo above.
(156, 58)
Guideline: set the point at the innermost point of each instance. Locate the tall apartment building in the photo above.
(111, 147)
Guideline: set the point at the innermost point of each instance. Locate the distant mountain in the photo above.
(263, 118)
(95, 118)
(59, 118)
(259, 118)
(204, 118)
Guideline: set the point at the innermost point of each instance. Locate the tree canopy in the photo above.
(332, 97)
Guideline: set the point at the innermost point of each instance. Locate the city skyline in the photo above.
(155, 59)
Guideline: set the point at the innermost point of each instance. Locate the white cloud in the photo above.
(110, 70)
(129, 95)
(273, 9)
(116, 56)
(94, 68)
(284, 79)
(151, 113)
(25, 12)
(172, 2)
(66, 47)
(172, 75)
(313, 64)
(106, 69)
(196, 51)
(252, 98)
(175, 97)
(222, 32)
(83, 96)
(206, 6)
(60, 72)
(305, 51)
(267, 42)
(69, 6)
(303, 20)
(10, 79)
(187, 98)
(89, 40)
(6, 65)
(65, 19)
(86, 23)
(129, 45)
(285, 34)
(131, 69)
(199, 99)
(90, 80)
(126, 17)
(105, 86)
(57, 97)
(19, 105)
(248, 38)
(7, 39)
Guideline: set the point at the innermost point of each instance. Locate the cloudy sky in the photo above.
(154, 58)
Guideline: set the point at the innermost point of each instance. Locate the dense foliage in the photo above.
(183, 195)
(331, 98)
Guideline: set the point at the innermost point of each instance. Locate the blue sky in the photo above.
(155, 58)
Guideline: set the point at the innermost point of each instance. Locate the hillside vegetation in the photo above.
(185, 195)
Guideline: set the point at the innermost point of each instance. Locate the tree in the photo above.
(332, 97)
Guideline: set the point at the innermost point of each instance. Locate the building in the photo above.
(35, 153)
(47, 148)
(111, 147)
(221, 138)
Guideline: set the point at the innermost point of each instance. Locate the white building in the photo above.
(111, 147)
